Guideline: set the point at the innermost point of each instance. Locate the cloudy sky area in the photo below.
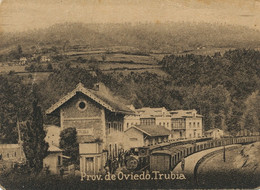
(20, 15)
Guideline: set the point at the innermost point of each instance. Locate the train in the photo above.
(139, 157)
(164, 157)
(165, 160)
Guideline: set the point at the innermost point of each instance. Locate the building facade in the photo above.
(181, 123)
(186, 124)
(98, 118)
(53, 161)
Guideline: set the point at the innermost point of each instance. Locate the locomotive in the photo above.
(138, 159)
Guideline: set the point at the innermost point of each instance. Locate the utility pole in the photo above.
(224, 153)
(19, 138)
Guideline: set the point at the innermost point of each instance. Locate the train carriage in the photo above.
(161, 160)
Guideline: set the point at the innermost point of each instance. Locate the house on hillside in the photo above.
(145, 135)
(11, 154)
(214, 133)
(23, 61)
(98, 118)
(45, 59)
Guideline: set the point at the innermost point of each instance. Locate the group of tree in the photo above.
(236, 71)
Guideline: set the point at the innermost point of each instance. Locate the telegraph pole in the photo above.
(19, 137)
(224, 153)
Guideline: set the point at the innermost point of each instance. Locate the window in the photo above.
(82, 105)
(108, 127)
(116, 151)
(127, 125)
(198, 124)
(120, 127)
(133, 139)
(115, 126)
(190, 124)
(59, 160)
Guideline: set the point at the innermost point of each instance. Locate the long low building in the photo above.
(145, 135)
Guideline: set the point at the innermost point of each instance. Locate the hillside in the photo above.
(170, 37)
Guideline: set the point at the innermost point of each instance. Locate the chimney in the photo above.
(96, 86)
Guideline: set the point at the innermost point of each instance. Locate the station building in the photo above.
(98, 117)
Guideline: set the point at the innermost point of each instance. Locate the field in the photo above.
(5, 68)
(112, 59)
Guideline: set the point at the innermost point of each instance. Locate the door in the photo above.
(89, 166)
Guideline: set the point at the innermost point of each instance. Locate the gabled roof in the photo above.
(147, 112)
(152, 130)
(105, 99)
(184, 113)
(211, 130)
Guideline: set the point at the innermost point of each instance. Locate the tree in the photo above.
(19, 50)
(68, 142)
(251, 116)
(104, 57)
(34, 145)
(49, 67)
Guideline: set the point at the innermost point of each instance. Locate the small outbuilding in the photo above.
(54, 160)
(214, 133)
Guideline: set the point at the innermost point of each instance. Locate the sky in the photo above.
(22, 15)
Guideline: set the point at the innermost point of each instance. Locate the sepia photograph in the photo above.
(129, 94)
